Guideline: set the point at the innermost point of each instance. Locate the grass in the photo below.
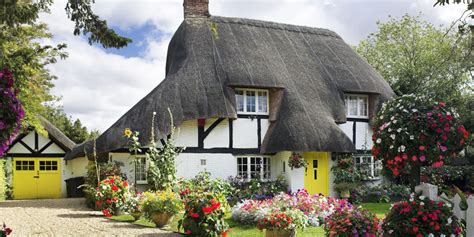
(237, 229)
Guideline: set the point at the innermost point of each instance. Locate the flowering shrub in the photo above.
(203, 182)
(349, 222)
(11, 111)
(111, 195)
(161, 202)
(291, 219)
(296, 161)
(315, 207)
(255, 189)
(420, 216)
(5, 230)
(204, 214)
(133, 202)
(414, 130)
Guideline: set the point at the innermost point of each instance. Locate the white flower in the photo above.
(379, 140)
(392, 118)
(422, 197)
(431, 235)
(390, 231)
(448, 204)
(391, 146)
(412, 137)
(392, 136)
(442, 235)
(422, 203)
(402, 148)
(394, 121)
(399, 130)
(389, 130)
(414, 110)
(449, 221)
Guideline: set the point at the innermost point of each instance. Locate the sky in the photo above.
(99, 85)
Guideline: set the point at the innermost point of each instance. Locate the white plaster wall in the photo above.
(347, 128)
(332, 163)
(220, 165)
(54, 149)
(30, 140)
(264, 125)
(18, 148)
(245, 133)
(187, 134)
(364, 136)
(219, 136)
(41, 141)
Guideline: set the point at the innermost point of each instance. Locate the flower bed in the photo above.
(316, 207)
(111, 195)
(349, 222)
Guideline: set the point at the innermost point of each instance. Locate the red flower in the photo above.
(188, 232)
(422, 148)
(215, 204)
(108, 201)
(125, 183)
(115, 188)
(437, 228)
(98, 203)
(415, 229)
(207, 210)
(106, 213)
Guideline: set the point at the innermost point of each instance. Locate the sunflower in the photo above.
(127, 132)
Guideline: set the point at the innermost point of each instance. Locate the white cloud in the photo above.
(98, 87)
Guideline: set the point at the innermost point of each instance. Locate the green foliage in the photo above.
(203, 182)
(106, 169)
(415, 56)
(256, 189)
(73, 129)
(446, 177)
(88, 23)
(3, 181)
(344, 171)
(383, 193)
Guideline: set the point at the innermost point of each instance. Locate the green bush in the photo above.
(3, 181)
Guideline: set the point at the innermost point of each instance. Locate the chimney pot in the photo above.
(196, 8)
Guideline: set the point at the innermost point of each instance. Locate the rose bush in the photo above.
(414, 130)
(11, 111)
(111, 195)
(204, 214)
(420, 216)
(350, 222)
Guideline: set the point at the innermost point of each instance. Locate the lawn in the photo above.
(380, 209)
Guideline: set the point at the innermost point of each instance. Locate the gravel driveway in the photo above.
(65, 217)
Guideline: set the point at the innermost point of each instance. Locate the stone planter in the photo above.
(136, 215)
(117, 211)
(161, 219)
(279, 233)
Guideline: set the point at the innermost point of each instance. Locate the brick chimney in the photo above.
(196, 8)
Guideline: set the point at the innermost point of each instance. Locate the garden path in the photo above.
(66, 217)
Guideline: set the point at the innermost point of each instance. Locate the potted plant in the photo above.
(346, 176)
(204, 214)
(111, 195)
(161, 206)
(297, 161)
(133, 205)
(283, 223)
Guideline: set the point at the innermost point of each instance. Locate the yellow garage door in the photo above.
(36, 178)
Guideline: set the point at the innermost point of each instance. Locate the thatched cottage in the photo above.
(245, 94)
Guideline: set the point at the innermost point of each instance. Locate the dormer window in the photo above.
(357, 106)
(251, 101)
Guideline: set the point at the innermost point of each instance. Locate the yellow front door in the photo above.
(36, 178)
(316, 179)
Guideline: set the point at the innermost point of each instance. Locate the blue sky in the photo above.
(99, 85)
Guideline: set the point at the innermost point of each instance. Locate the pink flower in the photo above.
(443, 148)
(444, 137)
(422, 158)
(446, 129)
(422, 148)
(438, 164)
(414, 158)
(442, 104)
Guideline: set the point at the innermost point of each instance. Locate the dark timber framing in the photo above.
(231, 133)
(259, 132)
(37, 151)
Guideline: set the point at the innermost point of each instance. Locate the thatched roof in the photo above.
(57, 136)
(208, 57)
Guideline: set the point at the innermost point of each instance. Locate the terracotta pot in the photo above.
(161, 219)
(279, 233)
(136, 215)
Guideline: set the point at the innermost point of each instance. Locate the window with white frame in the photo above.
(357, 106)
(253, 167)
(368, 166)
(251, 101)
(140, 170)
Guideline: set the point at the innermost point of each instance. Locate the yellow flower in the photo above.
(127, 132)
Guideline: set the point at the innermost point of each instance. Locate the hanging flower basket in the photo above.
(297, 161)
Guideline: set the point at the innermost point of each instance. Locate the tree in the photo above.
(414, 56)
(27, 59)
(71, 128)
(413, 131)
